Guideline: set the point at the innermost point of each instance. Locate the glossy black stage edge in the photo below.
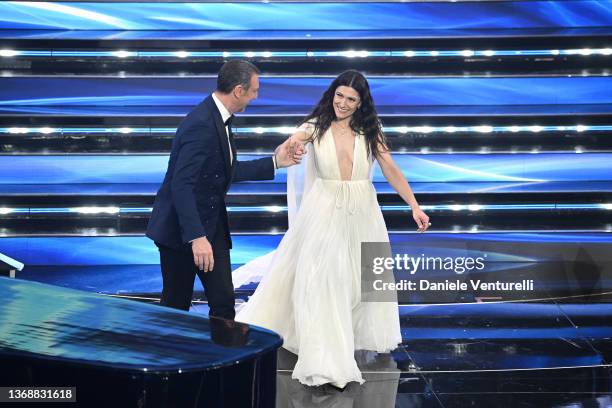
(263, 222)
(118, 352)
(448, 66)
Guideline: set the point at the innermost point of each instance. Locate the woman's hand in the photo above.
(421, 219)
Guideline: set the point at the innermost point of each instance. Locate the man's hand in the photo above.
(289, 153)
(202, 254)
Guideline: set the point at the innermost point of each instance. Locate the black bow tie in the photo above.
(229, 120)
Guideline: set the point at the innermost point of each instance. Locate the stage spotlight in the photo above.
(434, 53)
(46, 130)
(467, 53)
(456, 207)
(309, 54)
(182, 54)
(8, 53)
(409, 53)
(581, 128)
(578, 149)
(226, 54)
(424, 150)
(349, 54)
(16, 130)
(249, 54)
(95, 210)
(554, 52)
(6, 211)
(606, 51)
(363, 54)
(489, 53)
(515, 129)
(535, 128)
(274, 208)
(259, 130)
(585, 51)
(474, 207)
(122, 54)
(425, 129)
(450, 129)
(607, 206)
(484, 129)
(126, 130)
(266, 54)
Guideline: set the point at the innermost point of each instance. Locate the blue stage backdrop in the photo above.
(305, 91)
(443, 168)
(304, 16)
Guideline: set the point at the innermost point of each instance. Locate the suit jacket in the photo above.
(191, 199)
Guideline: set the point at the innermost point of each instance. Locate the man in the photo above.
(189, 223)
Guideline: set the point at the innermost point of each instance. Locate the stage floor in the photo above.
(535, 354)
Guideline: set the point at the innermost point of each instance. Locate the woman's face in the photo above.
(346, 102)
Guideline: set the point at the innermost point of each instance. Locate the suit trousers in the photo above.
(179, 271)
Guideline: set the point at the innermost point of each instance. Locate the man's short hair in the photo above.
(234, 73)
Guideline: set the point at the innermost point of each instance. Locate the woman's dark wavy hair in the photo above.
(365, 119)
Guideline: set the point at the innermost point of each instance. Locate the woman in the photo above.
(311, 292)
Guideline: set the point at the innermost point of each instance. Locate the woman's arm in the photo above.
(396, 179)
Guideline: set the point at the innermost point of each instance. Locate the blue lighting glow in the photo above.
(304, 91)
(442, 168)
(312, 16)
(288, 130)
(302, 54)
(100, 210)
(139, 250)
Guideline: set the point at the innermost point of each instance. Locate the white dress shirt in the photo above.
(225, 115)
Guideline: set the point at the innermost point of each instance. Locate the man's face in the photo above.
(245, 96)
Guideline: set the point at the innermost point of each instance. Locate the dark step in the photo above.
(587, 57)
(551, 217)
(243, 195)
(43, 135)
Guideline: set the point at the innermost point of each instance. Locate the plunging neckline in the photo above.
(336, 154)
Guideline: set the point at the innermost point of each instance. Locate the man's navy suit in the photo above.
(191, 204)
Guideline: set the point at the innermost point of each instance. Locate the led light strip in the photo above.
(111, 210)
(307, 54)
(288, 130)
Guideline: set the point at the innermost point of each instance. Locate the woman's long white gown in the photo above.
(310, 293)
